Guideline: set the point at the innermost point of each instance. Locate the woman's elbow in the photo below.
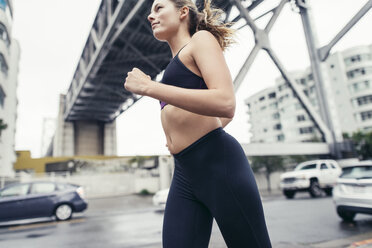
(229, 109)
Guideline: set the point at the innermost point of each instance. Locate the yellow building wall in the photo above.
(26, 162)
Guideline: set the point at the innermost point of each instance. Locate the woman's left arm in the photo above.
(218, 100)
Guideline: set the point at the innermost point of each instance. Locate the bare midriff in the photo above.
(182, 128)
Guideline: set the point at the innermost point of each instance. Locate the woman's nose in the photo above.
(150, 18)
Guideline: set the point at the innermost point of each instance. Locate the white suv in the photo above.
(313, 176)
(353, 192)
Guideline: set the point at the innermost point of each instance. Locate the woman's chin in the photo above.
(159, 36)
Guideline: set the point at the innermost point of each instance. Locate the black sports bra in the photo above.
(177, 74)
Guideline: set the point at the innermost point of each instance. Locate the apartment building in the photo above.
(9, 57)
(276, 114)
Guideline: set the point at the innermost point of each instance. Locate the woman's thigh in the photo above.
(187, 222)
(225, 183)
(239, 212)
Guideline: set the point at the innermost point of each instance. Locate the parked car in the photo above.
(41, 199)
(160, 197)
(313, 176)
(353, 192)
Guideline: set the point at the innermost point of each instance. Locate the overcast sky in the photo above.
(52, 35)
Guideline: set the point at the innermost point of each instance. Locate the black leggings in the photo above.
(212, 179)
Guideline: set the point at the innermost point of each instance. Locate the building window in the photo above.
(280, 137)
(283, 86)
(367, 115)
(272, 95)
(2, 97)
(278, 127)
(359, 72)
(366, 84)
(3, 4)
(304, 130)
(364, 100)
(367, 129)
(357, 58)
(283, 97)
(314, 101)
(300, 118)
(3, 65)
(4, 35)
(312, 89)
(262, 98)
(276, 116)
(273, 105)
(354, 87)
(359, 86)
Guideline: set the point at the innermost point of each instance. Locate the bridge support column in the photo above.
(109, 139)
(94, 138)
(63, 142)
(83, 137)
(88, 138)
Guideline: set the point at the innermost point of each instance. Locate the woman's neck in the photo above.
(178, 41)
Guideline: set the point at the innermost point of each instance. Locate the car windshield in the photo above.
(357, 172)
(63, 186)
(17, 190)
(306, 167)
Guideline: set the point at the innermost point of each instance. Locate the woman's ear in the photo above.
(184, 12)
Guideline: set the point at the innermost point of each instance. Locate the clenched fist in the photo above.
(137, 82)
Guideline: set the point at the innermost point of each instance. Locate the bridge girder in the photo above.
(121, 38)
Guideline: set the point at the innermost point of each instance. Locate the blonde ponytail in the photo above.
(209, 19)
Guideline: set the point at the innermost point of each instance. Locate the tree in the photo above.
(363, 143)
(315, 138)
(3, 126)
(268, 165)
(294, 160)
(139, 161)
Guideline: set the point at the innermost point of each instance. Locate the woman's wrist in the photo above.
(149, 88)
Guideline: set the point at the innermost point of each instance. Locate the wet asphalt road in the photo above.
(132, 221)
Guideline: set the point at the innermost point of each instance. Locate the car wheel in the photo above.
(328, 191)
(346, 215)
(315, 190)
(289, 194)
(63, 212)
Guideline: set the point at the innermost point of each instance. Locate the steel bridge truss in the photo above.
(121, 38)
(317, 55)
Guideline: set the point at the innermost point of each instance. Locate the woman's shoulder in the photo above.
(203, 36)
(204, 39)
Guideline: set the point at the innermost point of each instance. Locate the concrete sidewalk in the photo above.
(357, 241)
(362, 244)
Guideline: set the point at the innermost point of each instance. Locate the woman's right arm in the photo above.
(218, 100)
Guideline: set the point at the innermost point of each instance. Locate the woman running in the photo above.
(212, 177)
